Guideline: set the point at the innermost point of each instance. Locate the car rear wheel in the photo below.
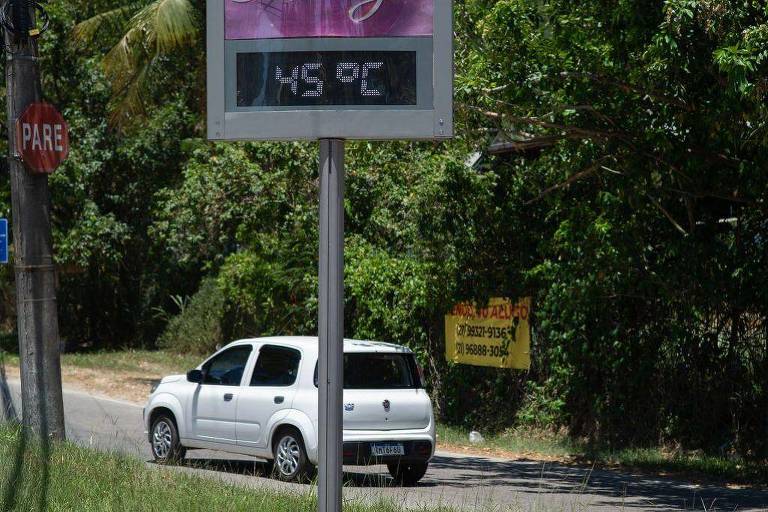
(166, 447)
(290, 463)
(408, 473)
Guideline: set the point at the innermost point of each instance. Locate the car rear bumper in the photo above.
(418, 445)
(360, 453)
(355, 438)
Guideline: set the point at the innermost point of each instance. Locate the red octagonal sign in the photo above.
(42, 138)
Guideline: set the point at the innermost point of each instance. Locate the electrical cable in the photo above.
(15, 17)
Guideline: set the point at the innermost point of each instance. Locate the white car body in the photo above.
(243, 418)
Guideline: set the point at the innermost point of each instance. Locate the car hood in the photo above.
(172, 378)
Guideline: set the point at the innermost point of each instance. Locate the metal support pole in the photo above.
(331, 324)
(41, 396)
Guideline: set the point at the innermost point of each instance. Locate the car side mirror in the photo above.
(195, 376)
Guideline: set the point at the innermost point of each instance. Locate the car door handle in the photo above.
(279, 399)
(228, 397)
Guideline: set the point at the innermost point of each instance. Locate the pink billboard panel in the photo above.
(277, 19)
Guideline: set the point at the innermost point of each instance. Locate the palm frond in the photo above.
(168, 23)
(155, 29)
(86, 31)
(122, 60)
(128, 103)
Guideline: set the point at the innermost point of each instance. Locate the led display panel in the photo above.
(303, 79)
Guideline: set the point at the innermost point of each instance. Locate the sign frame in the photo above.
(337, 122)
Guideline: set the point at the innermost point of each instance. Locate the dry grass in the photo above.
(125, 375)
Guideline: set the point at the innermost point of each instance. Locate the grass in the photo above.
(86, 480)
(163, 363)
(517, 442)
(132, 360)
(658, 460)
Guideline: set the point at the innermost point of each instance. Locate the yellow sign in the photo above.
(498, 335)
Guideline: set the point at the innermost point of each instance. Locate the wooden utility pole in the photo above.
(37, 316)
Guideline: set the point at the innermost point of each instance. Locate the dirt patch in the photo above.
(122, 385)
(502, 454)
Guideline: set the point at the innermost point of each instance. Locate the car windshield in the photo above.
(380, 371)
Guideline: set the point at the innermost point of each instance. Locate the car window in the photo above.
(379, 371)
(276, 366)
(226, 369)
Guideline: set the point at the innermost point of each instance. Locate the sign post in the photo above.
(331, 324)
(330, 70)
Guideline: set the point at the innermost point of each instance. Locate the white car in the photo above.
(259, 397)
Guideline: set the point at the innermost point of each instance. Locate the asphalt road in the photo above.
(464, 482)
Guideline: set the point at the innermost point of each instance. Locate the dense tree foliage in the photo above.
(627, 197)
(643, 214)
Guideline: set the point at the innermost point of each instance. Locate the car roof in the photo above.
(311, 343)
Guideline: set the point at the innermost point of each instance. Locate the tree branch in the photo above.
(627, 87)
(589, 171)
(668, 215)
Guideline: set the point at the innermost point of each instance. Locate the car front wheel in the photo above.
(166, 447)
(408, 473)
(291, 463)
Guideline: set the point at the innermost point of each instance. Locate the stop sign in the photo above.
(42, 138)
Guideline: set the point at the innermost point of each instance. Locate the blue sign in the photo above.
(3, 241)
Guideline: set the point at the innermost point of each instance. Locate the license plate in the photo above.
(388, 449)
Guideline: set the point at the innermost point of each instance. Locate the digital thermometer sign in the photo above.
(313, 69)
(301, 79)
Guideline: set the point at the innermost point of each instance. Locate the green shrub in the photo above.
(269, 294)
(539, 408)
(198, 328)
